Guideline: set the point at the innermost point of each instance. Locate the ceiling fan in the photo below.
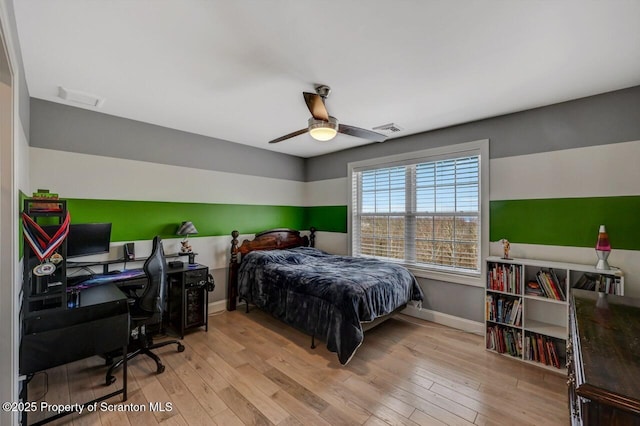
(324, 127)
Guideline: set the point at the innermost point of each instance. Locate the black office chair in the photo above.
(146, 310)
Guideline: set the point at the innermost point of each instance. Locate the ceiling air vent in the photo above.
(389, 128)
(77, 96)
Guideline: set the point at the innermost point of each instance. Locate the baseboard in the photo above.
(446, 319)
(216, 307)
(220, 305)
(425, 314)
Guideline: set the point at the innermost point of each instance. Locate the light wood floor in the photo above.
(252, 369)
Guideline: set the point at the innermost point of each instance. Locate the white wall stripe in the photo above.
(332, 242)
(74, 175)
(329, 192)
(596, 171)
(605, 170)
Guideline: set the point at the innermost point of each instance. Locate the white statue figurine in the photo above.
(186, 247)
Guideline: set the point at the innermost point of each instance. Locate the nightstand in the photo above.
(188, 298)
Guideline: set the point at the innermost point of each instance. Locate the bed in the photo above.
(326, 296)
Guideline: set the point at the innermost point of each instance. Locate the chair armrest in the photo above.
(132, 288)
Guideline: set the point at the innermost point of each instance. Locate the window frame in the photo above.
(479, 148)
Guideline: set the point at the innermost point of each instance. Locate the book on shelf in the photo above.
(504, 277)
(587, 281)
(504, 340)
(559, 284)
(552, 354)
(599, 282)
(512, 313)
(505, 310)
(533, 355)
(541, 352)
(518, 318)
(550, 285)
(542, 349)
(544, 284)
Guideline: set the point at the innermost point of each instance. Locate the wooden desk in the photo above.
(603, 359)
(98, 324)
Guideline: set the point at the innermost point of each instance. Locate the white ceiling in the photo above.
(235, 70)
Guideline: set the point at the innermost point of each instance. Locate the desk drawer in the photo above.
(69, 317)
(195, 278)
(48, 349)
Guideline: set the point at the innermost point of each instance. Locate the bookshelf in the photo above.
(526, 309)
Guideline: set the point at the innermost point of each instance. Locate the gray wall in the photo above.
(608, 118)
(23, 102)
(461, 301)
(65, 128)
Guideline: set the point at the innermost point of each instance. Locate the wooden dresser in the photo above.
(603, 359)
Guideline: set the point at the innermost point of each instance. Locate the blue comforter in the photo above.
(325, 295)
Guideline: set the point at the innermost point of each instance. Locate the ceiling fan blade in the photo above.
(361, 133)
(316, 106)
(290, 135)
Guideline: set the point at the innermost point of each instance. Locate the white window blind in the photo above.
(423, 213)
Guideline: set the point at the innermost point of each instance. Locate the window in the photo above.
(422, 209)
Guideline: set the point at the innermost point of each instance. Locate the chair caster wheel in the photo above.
(160, 369)
(180, 347)
(110, 380)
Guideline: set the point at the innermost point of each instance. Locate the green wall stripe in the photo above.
(568, 221)
(563, 222)
(327, 218)
(142, 220)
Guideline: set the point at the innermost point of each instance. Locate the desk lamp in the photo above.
(186, 229)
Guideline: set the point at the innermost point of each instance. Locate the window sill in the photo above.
(451, 277)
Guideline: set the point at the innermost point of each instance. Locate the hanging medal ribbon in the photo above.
(42, 244)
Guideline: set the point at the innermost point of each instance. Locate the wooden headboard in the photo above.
(272, 239)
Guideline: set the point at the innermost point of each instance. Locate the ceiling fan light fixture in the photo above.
(323, 130)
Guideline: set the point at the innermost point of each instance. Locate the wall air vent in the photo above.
(388, 128)
(79, 97)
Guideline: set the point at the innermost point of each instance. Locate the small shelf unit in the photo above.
(44, 293)
(526, 309)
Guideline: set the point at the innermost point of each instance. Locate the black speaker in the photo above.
(129, 251)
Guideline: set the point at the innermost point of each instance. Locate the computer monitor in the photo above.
(85, 238)
(88, 238)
